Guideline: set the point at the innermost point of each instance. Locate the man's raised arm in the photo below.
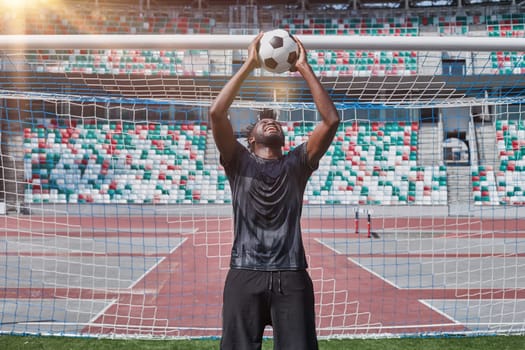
(221, 126)
(324, 132)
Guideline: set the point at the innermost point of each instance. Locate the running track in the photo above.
(162, 276)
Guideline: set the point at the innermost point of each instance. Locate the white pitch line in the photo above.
(328, 246)
(102, 311)
(440, 312)
(328, 230)
(375, 274)
(360, 265)
(138, 291)
(154, 266)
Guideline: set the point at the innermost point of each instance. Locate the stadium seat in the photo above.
(510, 143)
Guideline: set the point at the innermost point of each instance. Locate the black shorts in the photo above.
(281, 299)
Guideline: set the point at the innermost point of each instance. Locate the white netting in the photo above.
(118, 213)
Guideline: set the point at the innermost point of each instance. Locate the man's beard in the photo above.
(271, 140)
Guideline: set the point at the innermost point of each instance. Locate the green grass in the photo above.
(445, 343)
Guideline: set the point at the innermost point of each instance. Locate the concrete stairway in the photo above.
(486, 142)
(429, 146)
(211, 155)
(459, 185)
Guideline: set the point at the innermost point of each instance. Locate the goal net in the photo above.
(116, 217)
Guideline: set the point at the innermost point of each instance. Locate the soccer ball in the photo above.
(278, 51)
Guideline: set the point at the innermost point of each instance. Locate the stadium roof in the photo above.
(316, 4)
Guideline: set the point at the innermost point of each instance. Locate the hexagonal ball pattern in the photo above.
(278, 51)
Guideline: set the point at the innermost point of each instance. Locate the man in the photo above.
(268, 283)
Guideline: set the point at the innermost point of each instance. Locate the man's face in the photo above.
(268, 132)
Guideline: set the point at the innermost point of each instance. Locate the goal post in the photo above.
(118, 219)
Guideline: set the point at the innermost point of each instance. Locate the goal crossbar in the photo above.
(220, 42)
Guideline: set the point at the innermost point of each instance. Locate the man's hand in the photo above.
(253, 52)
(302, 62)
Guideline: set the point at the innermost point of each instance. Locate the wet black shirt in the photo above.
(267, 197)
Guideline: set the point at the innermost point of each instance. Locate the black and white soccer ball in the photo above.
(278, 51)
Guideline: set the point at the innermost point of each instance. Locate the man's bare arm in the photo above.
(324, 132)
(221, 126)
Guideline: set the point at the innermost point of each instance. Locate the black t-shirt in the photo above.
(267, 197)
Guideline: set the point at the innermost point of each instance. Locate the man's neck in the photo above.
(267, 152)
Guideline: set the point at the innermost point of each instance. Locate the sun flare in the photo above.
(21, 5)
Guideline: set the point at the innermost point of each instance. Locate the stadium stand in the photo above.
(511, 175)
(176, 20)
(369, 163)
(122, 163)
(503, 185)
(362, 161)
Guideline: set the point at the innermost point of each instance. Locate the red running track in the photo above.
(181, 295)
